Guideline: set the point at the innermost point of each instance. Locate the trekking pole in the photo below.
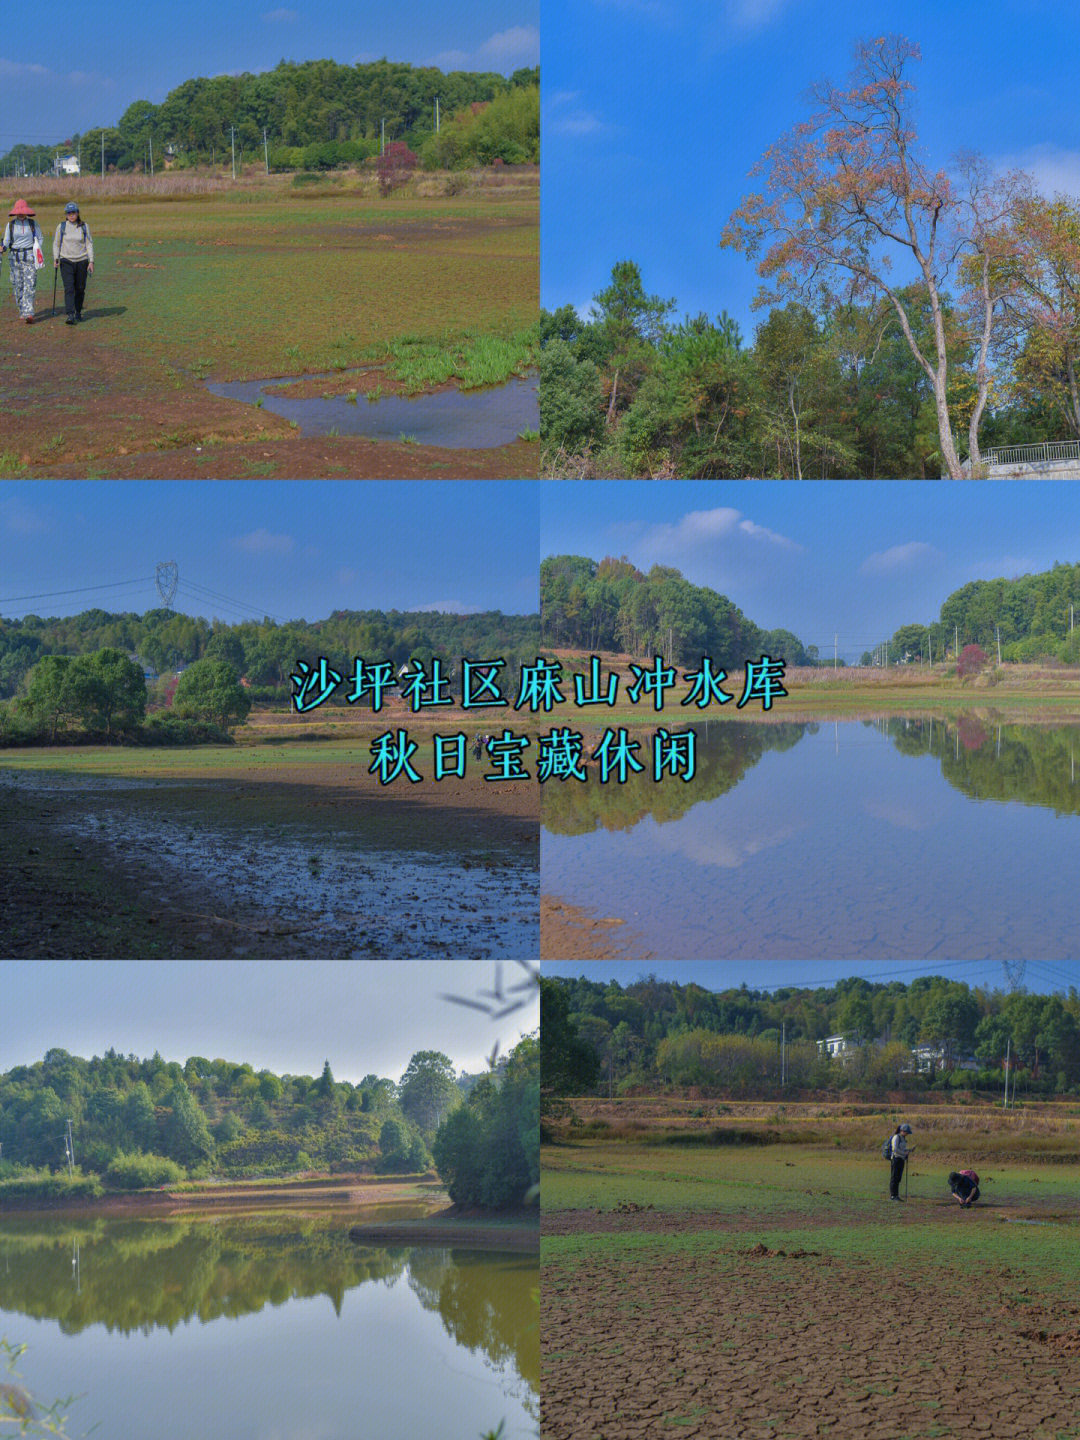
(52, 312)
(907, 1171)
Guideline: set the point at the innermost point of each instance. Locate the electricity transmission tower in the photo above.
(1014, 972)
(167, 577)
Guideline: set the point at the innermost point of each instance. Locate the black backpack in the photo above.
(886, 1149)
(63, 227)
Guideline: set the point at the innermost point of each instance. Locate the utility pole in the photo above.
(835, 641)
(783, 1053)
(382, 138)
(151, 138)
(1008, 1053)
(266, 151)
(232, 134)
(930, 642)
(997, 636)
(436, 114)
(956, 641)
(70, 1149)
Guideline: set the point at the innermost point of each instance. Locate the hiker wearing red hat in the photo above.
(23, 239)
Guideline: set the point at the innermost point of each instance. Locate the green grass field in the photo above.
(772, 1289)
(262, 280)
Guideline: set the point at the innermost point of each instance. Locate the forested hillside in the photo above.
(654, 1034)
(614, 606)
(314, 115)
(265, 652)
(150, 1122)
(1035, 616)
(632, 391)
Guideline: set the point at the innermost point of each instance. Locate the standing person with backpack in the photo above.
(898, 1153)
(73, 252)
(22, 238)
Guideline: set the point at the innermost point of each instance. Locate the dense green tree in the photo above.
(428, 1090)
(567, 1065)
(210, 690)
(187, 1135)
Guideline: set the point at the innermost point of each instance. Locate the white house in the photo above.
(66, 165)
(837, 1046)
(925, 1058)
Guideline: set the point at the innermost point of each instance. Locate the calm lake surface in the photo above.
(902, 838)
(275, 1327)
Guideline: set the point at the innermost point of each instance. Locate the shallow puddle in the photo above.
(453, 419)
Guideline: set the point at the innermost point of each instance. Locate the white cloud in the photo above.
(564, 116)
(761, 533)
(504, 51)
(448, 607)
(17, 70)
(23, 519)
(451, 60)
(281, 16)
(347, 576)
(900, 557)
(699, 528)
(520, 45)
(1055, 171)
(264, 542)
(753, 14)
(649, 9)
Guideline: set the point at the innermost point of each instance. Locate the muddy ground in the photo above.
(117, 420)
(568, 932)
(763, 1343)
(312, 861)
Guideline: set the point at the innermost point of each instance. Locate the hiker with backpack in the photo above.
(22, 239)
(964, 1185)
(73, 253)
(895, 1150)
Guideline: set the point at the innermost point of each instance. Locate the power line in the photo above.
(80, 590)
(228, 600)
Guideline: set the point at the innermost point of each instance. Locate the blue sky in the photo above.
(282, 1015)
(289, 549)
(655, 110)
(85, 66)
(1039, 977)
(856, 557)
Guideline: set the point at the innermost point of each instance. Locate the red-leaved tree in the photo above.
(394, 166)
(848, 192)
(972, 660)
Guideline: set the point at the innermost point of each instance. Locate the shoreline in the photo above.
(519, 1231)
(327, 1193)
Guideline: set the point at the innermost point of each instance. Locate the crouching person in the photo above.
(964, 1185)
(22, 240)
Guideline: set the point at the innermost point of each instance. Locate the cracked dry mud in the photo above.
(759, 1344)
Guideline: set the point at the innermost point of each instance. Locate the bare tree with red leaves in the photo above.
(848, 191)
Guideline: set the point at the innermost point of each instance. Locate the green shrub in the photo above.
(41, 1185)
(138, 1172)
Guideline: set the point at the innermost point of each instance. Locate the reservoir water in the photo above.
(897, 838)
